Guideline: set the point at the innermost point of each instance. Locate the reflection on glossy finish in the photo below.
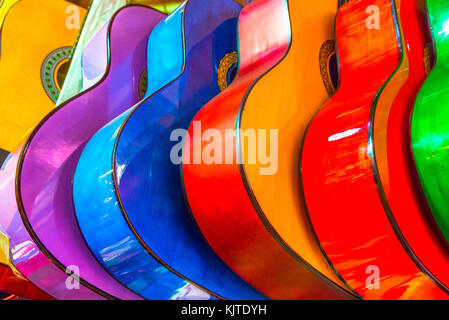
(10, 280)
(24, 254)
(146, 181)
(94, 59)
(121, 254)
(393, 165)
(351, 223)
(48, 162)
(23, 101)
(252, 228)
(430, 122)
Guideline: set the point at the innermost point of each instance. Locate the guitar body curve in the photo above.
(10, 282)
(243, 228)
(429, 129)
(47, 163)
(394, 167)
(148, 206)
(337, 165)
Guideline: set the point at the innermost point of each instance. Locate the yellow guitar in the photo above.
(36, 40)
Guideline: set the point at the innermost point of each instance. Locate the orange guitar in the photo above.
(247, 202)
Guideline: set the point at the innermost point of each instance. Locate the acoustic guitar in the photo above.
(21, 109)
(251, 213)
(429, 126)
(44, 227)
(126, 184)
(345, 160)
(394, 167)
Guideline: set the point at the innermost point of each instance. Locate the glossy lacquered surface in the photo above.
(430, 129)
(341, 190)
(394, 168)
(126, 259)
(147, 218)
(264, 236)
(10, 282)
(13, 284)
(24, 102)
(48, 161)
(25, 255)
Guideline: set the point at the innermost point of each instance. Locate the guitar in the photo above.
(429, 127)
(21, 109)
(125, 183)
(394, 167)
(257, 222)
(44, 226)
(343, 164)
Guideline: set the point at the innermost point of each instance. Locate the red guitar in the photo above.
(356, 163)
(250, 213)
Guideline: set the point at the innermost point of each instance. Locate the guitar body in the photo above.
(45, 218)
(15, 122)
(394, 167)
(257, 223)
(29, 77)
(429, 126)
(148, 208)
(338, 164)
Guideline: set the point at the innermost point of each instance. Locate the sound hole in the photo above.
(54, 70)
(429, 57)
(227, 70)
(333, 70)
(61, 74)
(329, 66)
(232, 73)
(143, 83)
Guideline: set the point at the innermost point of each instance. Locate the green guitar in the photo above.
(430, 122)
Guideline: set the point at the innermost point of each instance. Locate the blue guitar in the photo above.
(127, 191)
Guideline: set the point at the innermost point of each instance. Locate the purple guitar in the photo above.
(46, 244)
